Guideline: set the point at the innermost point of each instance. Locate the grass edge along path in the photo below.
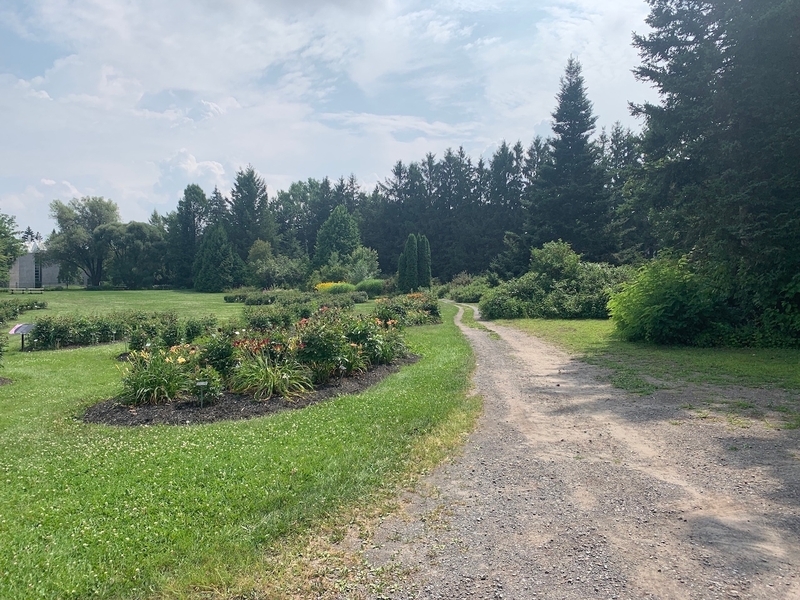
(644, 368)
(92, 511)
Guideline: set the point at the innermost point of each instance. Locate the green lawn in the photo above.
(183, 302)
(95, 511)
(632, 364)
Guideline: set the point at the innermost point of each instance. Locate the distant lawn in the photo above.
(101, 512)
(594, 341)
(182, 301)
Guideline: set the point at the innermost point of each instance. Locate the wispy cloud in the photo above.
(142, 98)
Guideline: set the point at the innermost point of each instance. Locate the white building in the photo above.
(28, 271)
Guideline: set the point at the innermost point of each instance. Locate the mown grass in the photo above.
(594, 341)
(96, 302)
(95, 511)
(643, 368)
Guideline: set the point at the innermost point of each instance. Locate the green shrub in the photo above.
(470, 292)
(559, 286)
(239, 294)
(419, 308)
(196, 327)
(373, 287)
(264, 318)
(359, 297)
(218, 353)
(153, 378)
(213, 379)
(665, 303)
(340, 287)
(260, 376)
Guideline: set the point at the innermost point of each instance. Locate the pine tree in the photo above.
(249, 218)
(423, 262)
(568, 199)
(217, 266)
(339, 233)
(184, 230)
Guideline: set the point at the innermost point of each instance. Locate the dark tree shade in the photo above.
(722, 146)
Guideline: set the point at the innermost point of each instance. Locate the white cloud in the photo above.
(150, 95)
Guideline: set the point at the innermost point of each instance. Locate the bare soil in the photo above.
(231, 407)
(572, 489)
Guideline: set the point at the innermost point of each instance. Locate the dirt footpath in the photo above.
(570, 488)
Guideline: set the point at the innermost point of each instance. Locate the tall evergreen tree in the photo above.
(408, 277)
(423, 262)
(249, 218)
(339, 233)
(217, 266)
(184, 229)
(721, 149)
(568, 200)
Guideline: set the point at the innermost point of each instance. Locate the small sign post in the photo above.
(202, 385)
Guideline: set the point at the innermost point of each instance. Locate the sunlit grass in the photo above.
(594, 340)
(95, 511)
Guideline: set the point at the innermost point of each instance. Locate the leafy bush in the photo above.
(260, 376)
(218, 353)
(559, 286)
(153, 378)
(373, 287)
(665, 303)
(419, 308)
(196, 327)
(470, 292)
(338, 287)
(359, 297)
(264, 318)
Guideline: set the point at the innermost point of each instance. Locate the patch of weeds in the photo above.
(687, 406)
(675, 422)
(468, 319)
(743, 405)
(629, 380)
(735, 420)
(733, 448)
(792, 422)
(702, 414)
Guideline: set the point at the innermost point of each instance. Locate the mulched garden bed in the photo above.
(232, 407)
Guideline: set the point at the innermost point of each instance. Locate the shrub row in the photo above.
(294, 298)
(285, 359)
(418, 308)
(12, 308)
(670, 302)
(158, 329)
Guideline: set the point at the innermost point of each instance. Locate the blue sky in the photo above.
(134, 99)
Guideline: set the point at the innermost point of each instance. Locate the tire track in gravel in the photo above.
(570, 488)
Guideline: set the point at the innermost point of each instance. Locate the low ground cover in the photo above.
(95, 511)
(640, 367)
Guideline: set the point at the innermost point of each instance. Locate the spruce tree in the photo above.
(568, 198)
(423, 262)
(217, 266)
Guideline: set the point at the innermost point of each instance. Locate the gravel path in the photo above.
(572, 489)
